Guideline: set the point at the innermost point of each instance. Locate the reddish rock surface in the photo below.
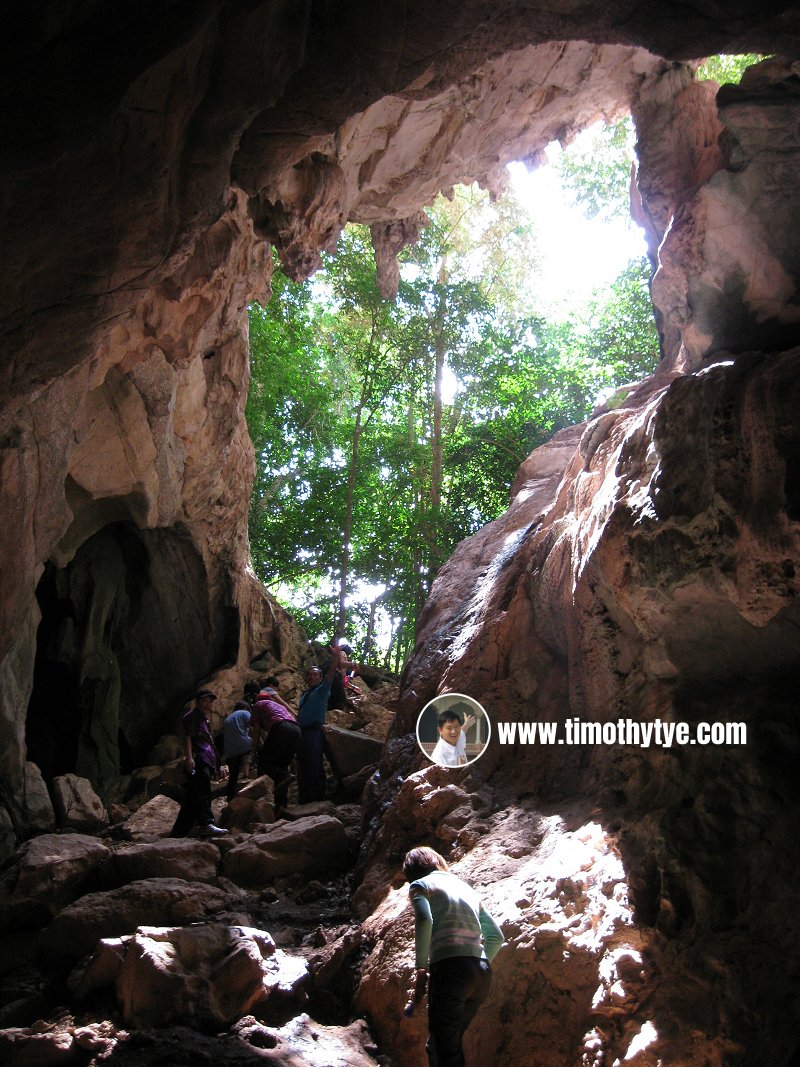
(147, 902)
(646, 569)
(317, 843)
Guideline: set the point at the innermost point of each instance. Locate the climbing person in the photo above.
(311, 718)
(202, 765)
(455, 941)
(238, 745)
(276, 741)
(251, 691)
(452, 725)
(337, 697)
(270, 686)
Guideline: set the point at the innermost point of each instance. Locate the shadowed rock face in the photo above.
(645, 569)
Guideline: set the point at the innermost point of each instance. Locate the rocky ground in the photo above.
(126, 946)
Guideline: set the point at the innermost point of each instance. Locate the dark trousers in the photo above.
(275, 758)
(458, 985)
(310, 765)
(196, 806)
(234, 767)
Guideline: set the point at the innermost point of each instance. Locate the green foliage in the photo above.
(597, 172)
(368, 472)
(726, 69)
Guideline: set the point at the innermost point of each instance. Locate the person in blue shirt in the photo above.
(311, 718)
(238, 744)
(455, 941)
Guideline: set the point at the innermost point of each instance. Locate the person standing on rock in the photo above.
(338, 698)
(311, 718)
(455, 940)
(276, 741)
(202, 765)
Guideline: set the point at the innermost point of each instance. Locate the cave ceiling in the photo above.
(153, 155)
(130, 138)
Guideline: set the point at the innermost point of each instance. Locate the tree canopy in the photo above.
(388, 431)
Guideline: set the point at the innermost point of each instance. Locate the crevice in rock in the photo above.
(116, 649)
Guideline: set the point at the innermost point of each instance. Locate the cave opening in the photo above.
(175, 300)
(117, 650)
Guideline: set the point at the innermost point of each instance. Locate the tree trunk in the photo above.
(348, 523)
(436, 443)
(370, 629)
(398, 656)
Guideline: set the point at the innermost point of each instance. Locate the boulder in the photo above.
(46, 1043)
(192, 860)
(153, 819)
(101, 969)
(380, 724)
(149, 781)
(253, 805)
(38, 814)
(8, 836)
(352, 751)
(212, 973)
(166, 749)
(76, 930)
(305, 1042)
(242, 813)
(49, 872)
(76, 804)
(354, 784)
(318, 843)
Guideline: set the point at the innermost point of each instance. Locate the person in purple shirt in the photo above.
(311, 718)
(202, 765)
(276, 739)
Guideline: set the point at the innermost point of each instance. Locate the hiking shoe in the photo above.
(213, 831)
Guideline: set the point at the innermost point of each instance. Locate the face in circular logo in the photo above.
(453, 730)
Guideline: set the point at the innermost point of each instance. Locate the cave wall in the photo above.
(648, 560)
(646, 570)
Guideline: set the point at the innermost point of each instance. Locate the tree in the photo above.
(370, 470)
(727, 69)
(597, 172)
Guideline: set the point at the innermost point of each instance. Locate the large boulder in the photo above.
(352, 750)
(153, 819)
(76, 930)
(38, 814)
(76, 804)
(252, 807)
(192, 860)
(49, 872)
(149, 781)
(211, 973)
(318, 843)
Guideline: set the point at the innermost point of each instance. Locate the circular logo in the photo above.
(453, 730)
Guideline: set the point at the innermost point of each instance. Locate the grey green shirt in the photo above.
(450, 920)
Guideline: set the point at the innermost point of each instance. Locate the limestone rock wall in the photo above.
(648, 561)
(647, 570)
